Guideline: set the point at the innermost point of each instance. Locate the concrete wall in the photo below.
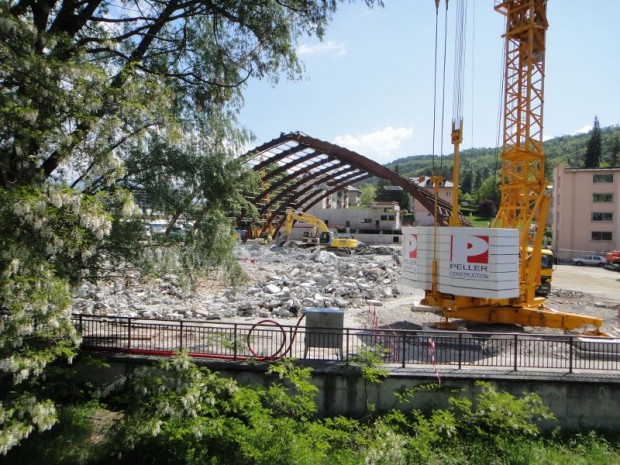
(360, 218)
(579, 402)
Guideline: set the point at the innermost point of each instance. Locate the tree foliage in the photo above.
(184, 414)
(614, 152)
(484, 162)
(102, 100)
(594, 148)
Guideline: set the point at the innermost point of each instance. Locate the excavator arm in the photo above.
(292, 216)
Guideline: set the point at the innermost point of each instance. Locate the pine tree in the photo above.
(467, 182)
(594, 147)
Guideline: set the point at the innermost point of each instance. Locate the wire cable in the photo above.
(443, 86)
(435, 82)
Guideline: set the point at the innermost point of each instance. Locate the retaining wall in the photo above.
(580, 402)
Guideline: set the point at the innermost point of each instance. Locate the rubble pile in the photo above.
(283, 281)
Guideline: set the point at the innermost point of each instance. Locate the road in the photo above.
(596, 281)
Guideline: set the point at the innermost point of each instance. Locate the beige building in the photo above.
(422, 216)
(585, 211)
(347, 197)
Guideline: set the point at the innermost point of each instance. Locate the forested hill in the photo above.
(483, 160)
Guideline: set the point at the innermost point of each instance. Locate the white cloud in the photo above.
(584, 130)
(382, 146)
(334, 49)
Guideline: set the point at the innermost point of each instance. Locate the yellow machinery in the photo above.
(547, 262)
(524, 202)
(325, 237)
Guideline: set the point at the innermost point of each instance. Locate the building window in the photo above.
(391, 217)
(601, 235)
(607, 198)
(604, 216)
(366, 220)
(606, 178)
(384, 217)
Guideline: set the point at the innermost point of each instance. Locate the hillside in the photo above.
(484, 160)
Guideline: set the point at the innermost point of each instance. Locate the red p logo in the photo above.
(413, 246)
(469, 249)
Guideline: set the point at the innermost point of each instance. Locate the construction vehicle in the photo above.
(547, 263)
(493, 275)
(613, 260)
(325, 237)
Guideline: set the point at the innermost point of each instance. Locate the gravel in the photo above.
(285, 280)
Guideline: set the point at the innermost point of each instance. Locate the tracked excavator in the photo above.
(493, 275)
(321, 234)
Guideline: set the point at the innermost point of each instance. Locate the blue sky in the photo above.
(368, 85)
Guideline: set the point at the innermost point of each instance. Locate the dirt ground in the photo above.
(582, 290)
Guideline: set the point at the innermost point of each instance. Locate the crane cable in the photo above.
(500, 116)
(435, 82)
(460, 43)
(473, 68)
(443, 85)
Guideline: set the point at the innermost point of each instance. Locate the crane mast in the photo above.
(524, 204)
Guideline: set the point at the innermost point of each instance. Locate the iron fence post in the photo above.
(404, 353)
(81, 324)
(181, 336)
(235, 342)
(460, 350)
(570, 353)
(129, 334)
(346, 357)
(516, 351)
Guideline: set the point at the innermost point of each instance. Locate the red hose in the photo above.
(277, 354)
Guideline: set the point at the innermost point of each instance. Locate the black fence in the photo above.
(268, 340)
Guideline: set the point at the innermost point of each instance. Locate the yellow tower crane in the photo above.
(524, 202)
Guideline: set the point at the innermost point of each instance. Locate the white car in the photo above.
(593, 260)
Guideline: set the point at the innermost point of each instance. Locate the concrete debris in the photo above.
(283, 281)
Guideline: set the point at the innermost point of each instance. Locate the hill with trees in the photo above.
(478, 165)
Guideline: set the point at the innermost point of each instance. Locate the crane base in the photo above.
(528, 316)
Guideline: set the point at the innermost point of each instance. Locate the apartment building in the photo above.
(346, 197)
(422, 216)
(585, 211)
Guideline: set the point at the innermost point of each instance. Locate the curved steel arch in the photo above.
(298, 171)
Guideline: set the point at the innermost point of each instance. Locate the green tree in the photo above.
(368, 195)
(594, 148)
(489, 189)
(99, 100)
(467, 181)
(614, 152)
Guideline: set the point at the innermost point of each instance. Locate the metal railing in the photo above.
(269, 340)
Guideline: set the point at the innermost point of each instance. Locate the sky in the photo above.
(369, 85)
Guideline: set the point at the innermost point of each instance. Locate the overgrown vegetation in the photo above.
(179, 413)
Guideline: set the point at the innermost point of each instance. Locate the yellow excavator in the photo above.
(325, 237)
(494, 275)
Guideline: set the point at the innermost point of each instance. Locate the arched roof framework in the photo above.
(298, 171)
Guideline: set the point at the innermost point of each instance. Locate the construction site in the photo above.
(447, 276)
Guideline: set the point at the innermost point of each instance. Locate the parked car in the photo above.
(612, 266)
(592, 260)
